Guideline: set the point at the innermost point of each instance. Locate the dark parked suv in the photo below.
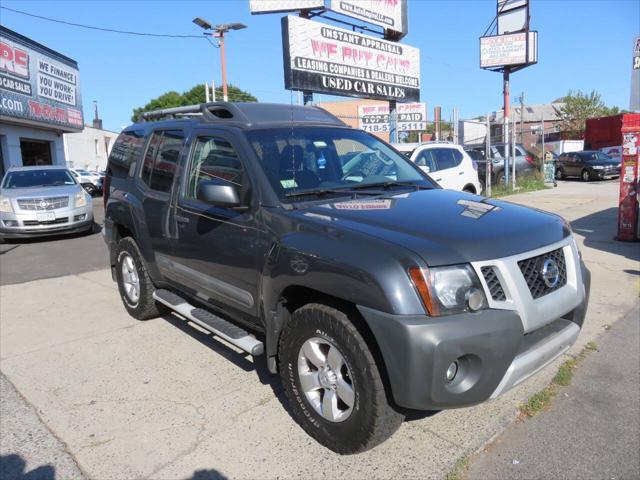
(587, 165)
(370, 290)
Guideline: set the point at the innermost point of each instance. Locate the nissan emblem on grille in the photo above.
(550, 273)
(544, 273)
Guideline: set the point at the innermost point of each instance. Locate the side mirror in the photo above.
(218, 193)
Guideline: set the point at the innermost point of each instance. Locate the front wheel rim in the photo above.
(130, 279)
(585, 176)
(326, 380)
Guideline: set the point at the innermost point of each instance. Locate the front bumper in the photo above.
(604, 174)
(493, 350)
(25, 224)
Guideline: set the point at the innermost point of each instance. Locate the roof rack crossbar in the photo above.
(171, 112)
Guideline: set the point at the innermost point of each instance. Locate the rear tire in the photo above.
(585, 175)
(344, 428)
(559, 174)
(134, 284)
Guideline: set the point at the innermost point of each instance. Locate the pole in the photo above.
(206, 92)
(213, 90)
(487, 157)
(307, 97)
(522, 118)
(513, 153)
(223, 61)
(542, 130)
(393, 123)
(505, 128)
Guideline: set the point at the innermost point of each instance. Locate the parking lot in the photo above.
(163, 399)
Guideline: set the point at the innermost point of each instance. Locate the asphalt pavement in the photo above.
(28, 449)
(592, 429)
(25, 260)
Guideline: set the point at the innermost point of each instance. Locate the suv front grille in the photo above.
(33, 223)
(493, 282)
(50, 203)
(532, 270)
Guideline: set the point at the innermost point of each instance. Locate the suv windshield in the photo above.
(38, 178)
(318, 160)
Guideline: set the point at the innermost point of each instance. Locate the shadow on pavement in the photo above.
(12, 467)
(599, 230)
(240, 360)
(95, 229)
(211, 474)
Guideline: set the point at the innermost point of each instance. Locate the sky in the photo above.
(583, 45)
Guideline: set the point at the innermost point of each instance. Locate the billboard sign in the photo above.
(325, 59)
(375, 118)
(512, 16)
(509, 50)
(389, 14)
(38, 86)
(274, 6)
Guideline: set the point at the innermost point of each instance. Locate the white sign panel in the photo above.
(390, 14)
(326, 59)
(505, 50)
(375, 118)
(273, 6)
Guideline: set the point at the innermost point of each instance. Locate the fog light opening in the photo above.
(452, 371)
(475, 299)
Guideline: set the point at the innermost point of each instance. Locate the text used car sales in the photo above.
(332, 60)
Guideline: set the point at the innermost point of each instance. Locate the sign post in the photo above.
(513, 48)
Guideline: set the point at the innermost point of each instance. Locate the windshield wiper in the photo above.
(389, 184)
(321, 191)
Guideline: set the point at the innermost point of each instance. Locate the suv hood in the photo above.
(444, 227)
(60, 191)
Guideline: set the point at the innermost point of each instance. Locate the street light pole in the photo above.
(223, 63)
(218, 32)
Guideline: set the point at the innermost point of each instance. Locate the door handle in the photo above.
(181, 219)
(438, 179)
(460, 173)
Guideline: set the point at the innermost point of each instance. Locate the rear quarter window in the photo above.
(126, 151)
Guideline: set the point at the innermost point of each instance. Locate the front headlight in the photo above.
(5, 205)
(448, 290)
(81, 199)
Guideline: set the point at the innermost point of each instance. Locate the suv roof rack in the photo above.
(247, 114)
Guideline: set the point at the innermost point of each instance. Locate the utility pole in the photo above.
(487, 157)
(542, 133)
(505, 123)
(522, 118)
(218, 32)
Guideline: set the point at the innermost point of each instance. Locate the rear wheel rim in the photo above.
(130, 279)
(326, 380)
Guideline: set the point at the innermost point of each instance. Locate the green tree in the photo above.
(193, 96)
(578, 107)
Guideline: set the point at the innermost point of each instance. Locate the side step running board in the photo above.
(216, 325)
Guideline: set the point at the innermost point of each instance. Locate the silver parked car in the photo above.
(43, 201)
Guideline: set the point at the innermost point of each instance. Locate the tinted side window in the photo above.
(444, 158)
(161, 159)
(213, 158)
(425, 159)
(164, 168)
(125, 151)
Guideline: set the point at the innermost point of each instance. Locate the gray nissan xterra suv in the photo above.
(370, 290)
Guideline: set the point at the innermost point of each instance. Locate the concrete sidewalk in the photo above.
(593, 427)
(162, 399)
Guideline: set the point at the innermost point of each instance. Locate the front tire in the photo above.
(332, 382)
(585, 175)
(134, 284)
